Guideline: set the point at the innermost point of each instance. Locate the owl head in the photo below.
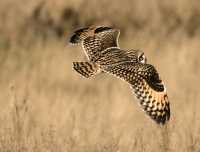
(137, 56)
(141, 57)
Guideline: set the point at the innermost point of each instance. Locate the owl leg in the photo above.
(86, 69)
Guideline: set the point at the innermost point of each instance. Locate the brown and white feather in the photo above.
(101, 47)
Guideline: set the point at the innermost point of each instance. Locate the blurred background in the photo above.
(46, 106)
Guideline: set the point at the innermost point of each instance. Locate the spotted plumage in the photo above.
(101, 47)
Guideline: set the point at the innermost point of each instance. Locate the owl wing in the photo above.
(95, 39)
(148, 88)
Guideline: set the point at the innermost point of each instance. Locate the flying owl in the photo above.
(104, 55)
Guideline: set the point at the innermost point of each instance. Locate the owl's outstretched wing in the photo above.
(148, 88)
(151, 92)
(95, 39)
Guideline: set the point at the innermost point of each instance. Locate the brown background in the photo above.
(46, 106)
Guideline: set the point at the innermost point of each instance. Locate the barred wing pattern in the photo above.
(101, 47)
(147, 86)
(95, 39)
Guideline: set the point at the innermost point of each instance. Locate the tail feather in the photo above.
(86, 69)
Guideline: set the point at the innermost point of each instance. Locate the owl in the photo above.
(100, 45)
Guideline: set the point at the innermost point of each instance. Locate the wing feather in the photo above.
(95, 39)
(148, 88)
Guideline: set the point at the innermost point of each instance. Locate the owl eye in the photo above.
(142, 58)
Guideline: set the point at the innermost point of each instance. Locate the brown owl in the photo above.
(101, 47)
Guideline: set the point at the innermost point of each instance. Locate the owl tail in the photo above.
(86, 69)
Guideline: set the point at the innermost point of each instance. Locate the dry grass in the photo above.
(46, 106)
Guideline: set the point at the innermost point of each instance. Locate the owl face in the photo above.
(141, 58)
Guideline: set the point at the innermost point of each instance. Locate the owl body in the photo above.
(100, 45)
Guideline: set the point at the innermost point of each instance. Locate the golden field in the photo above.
(46, 106)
